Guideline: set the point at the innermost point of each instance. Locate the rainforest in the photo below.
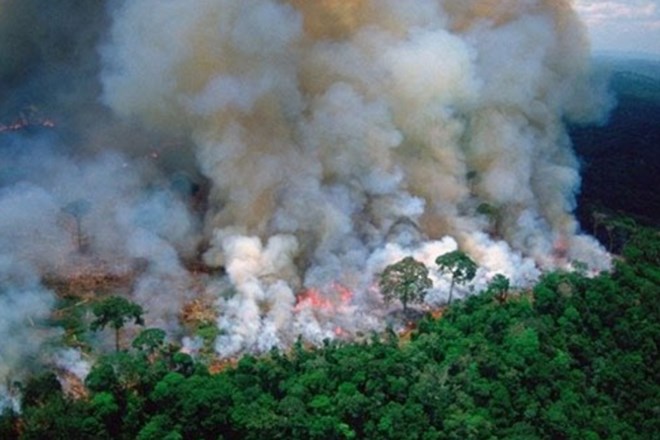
(227, 219)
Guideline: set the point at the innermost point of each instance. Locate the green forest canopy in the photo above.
(573, 358)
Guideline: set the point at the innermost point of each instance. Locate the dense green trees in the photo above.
(573, 358)
(499, 285)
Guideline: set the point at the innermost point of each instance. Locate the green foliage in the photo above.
(159, 428)
(69, 315)
(150, 340)
(115, 312)
(576, 358)
(408, 280)
(105, 408)
(499, 286)
(459, 265)
(9, 424)
(208, 332)
(102, 378)
(39, 389)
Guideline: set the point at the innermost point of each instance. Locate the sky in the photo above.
(622, 25)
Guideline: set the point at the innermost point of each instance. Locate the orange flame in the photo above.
(345, 294)
(337, 296)
(312, 298)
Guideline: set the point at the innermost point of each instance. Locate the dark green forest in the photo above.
(573, 358)
(621, 160)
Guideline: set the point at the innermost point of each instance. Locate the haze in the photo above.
(622, 25)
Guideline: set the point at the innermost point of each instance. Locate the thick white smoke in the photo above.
(24, 308)
(60, 217)
(341, 136)
(300, 145)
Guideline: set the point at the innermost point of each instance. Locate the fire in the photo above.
(330, 302)
(312, 298)
(345, 294)
(31, 119)
(336, 297)
(21, 124)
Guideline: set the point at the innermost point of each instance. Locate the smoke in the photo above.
(24, 306)
(301, 146)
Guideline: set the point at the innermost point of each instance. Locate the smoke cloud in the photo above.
(300, 146)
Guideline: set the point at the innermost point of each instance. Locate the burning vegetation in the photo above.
(27, 120)
(246, 173)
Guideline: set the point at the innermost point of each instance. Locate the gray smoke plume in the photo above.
(330, 121)
(326, 139)
(80, 190)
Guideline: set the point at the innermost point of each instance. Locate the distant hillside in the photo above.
(621, 161)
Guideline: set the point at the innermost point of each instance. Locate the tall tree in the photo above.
(406, 280)
(457, 264)
(115, 312)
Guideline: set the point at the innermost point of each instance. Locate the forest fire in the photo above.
(337, 296)
(315, 219)
(312, 298)
(25, 121)
(251, 148)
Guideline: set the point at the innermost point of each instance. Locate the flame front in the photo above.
(338, 296)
